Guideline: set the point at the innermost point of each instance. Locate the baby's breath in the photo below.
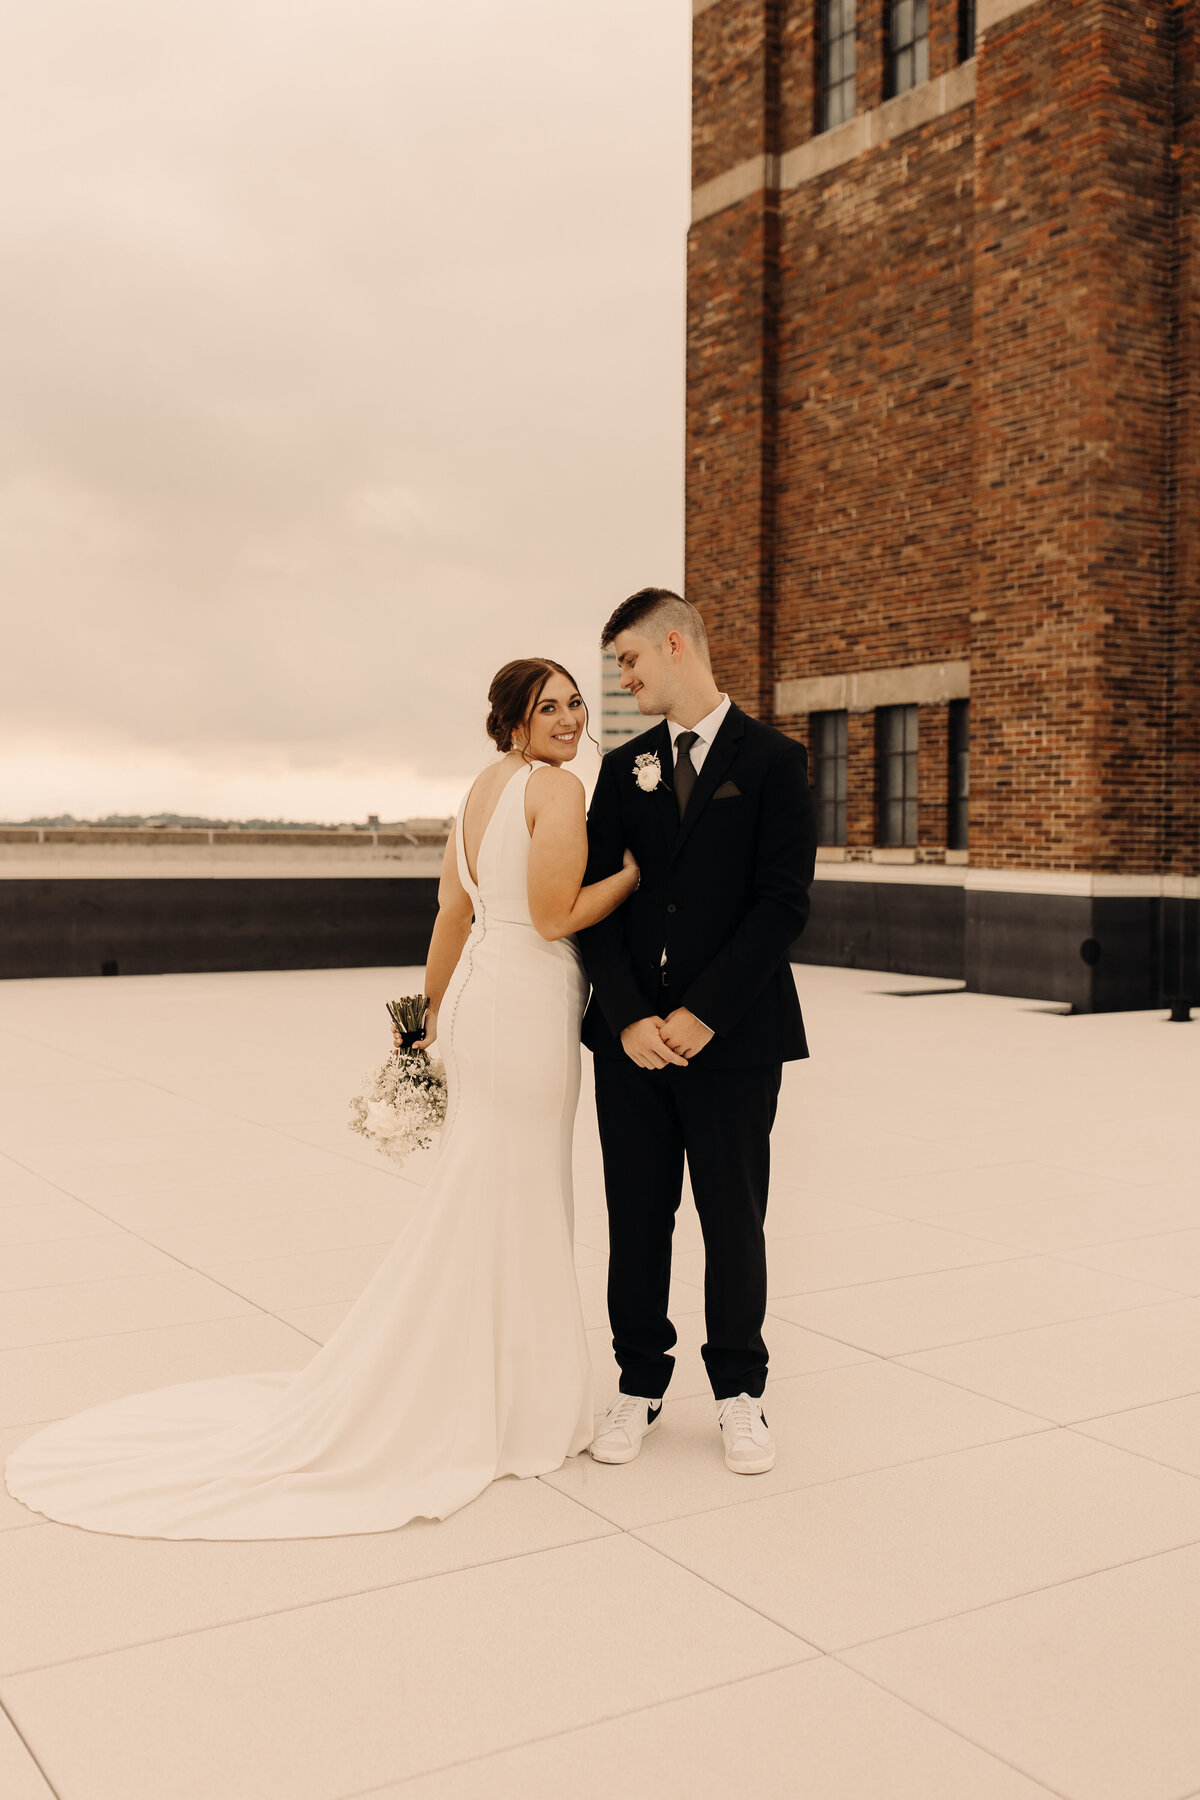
(403, 1103)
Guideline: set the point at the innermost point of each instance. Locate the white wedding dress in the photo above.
(463, 1359)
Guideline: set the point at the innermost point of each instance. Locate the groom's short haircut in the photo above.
(655, 611)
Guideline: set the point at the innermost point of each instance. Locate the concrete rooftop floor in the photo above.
(974, 1573)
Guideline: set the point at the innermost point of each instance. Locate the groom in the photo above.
(693, 1012)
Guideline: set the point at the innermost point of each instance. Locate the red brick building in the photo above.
(943, 467)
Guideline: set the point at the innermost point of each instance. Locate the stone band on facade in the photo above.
(923, 684)
(758, 175)
(829, 149)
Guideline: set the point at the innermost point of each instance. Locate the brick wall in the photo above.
(1071, 278)
(1181, 808)
(875, 409)
(944, 403)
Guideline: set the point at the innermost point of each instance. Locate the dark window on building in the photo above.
(960, 774)
(966, 30)
(836, 33)
(829, 775)
(909, 45)
(896, 762)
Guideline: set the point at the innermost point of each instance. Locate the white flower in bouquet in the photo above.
(403, 1103)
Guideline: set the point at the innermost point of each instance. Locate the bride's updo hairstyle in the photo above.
(515, 691)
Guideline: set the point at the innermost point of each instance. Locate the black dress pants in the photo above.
(720, 1119)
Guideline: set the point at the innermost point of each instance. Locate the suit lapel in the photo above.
(664, 794)
(721, 753)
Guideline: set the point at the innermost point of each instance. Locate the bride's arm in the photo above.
(451, 929)
(558, 902)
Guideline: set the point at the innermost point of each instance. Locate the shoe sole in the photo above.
(760, 1467)
(624, 1456)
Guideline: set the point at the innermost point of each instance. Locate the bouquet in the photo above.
(403, 1104)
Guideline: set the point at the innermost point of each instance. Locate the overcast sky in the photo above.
(341, 358)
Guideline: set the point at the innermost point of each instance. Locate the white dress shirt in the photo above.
(706, 731)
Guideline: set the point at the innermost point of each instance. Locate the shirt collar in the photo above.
(707, 728)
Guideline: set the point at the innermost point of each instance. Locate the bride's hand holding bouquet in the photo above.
(430, 1030)
(403, 1104)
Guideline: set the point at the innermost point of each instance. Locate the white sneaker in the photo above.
(748, 1446)
(626, 1423)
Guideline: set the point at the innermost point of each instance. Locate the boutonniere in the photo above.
(647, 771)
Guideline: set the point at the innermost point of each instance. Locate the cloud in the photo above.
(341, 349)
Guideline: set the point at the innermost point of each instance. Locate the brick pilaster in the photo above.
(1071, 351)
(733, 281)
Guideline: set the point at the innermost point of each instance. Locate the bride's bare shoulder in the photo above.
(553, 790)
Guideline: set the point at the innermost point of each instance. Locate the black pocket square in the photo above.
(729, 790)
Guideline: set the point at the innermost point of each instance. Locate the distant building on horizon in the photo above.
(620, 719)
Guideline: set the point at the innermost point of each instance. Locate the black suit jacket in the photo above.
(724, 890)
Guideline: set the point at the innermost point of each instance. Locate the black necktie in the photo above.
(685, 768)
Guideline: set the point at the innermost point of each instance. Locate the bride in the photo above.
(464, 1358)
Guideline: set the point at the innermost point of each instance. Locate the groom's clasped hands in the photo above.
(654, 1042)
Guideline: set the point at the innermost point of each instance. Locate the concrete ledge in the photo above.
(829, 149)
(1083, 884)
(1067, 884)
(917, 684)
(906, 112)
(826, 151)
(993, 12)
(902, 874)
(754, 176)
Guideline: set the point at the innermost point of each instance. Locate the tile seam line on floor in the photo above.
(29, 1751)
(934, 1375)
(548, 1737)
(181, 1263)
(94, 1337)
(911, 1462)
(738, 1599)
(1060, 1251)
(1046, 1587)
(994, 1262)
(51, 1183)
(43, 1287)
(171, 1637)
(1123, 1411)
(1170, 1298)
(992, 1337)
(945, 1725)
(1144, 1455)
(1066, 1251)
(177, 1094)
(840, 1650)
(811, 1487)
